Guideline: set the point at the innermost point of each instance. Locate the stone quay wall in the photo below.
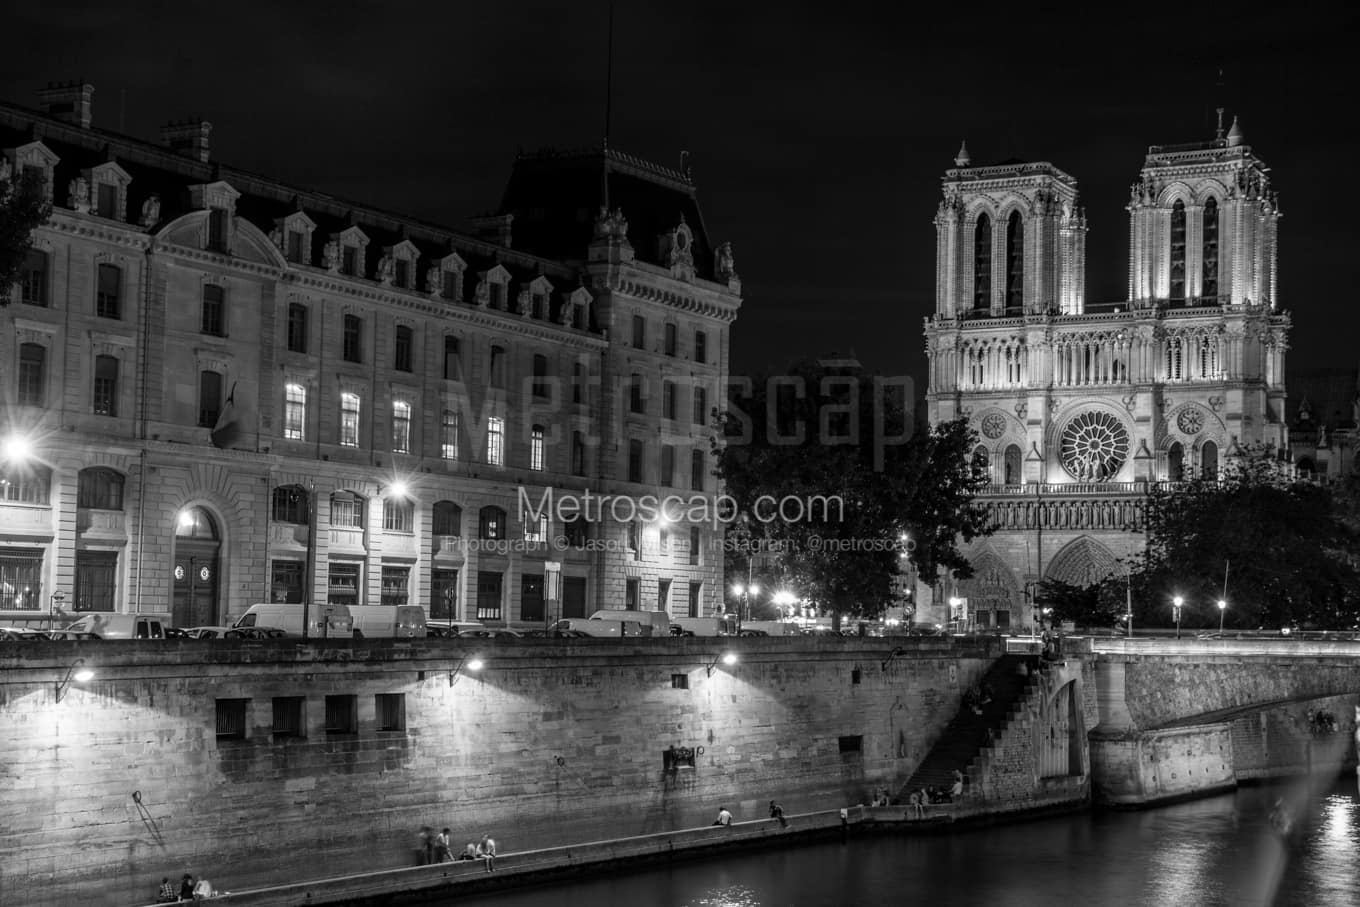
(255, 762)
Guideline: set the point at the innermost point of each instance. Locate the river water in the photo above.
(1217, 852)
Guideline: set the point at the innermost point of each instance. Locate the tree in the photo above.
(1288, 555)
(831, 475)
(1091, 606)
(23, 207)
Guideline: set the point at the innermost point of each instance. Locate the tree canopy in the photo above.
(837, 484)
(23, 206)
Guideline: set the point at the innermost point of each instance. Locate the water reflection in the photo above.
(1220, 852)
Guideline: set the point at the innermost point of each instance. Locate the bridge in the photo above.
(1183, 717)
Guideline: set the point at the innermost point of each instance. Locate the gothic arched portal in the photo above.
(1082, 562)
(991, 591)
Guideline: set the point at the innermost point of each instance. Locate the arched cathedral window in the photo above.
(1015, 265)
(1175, 463)
(1208, 458)
(981, 462)
(1013, 465)
(1177, 261)
(1209, 283)
(982, 264)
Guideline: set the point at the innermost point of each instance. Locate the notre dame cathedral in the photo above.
(1079, 406)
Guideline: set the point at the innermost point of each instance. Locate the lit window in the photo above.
(294, 411)
(398, 515)
(347, 511)
(105, 398)
(495, 441)
(349, 420)
(536, 448)
(491, 523)
(401, 427)
(536, 530)
(448, 446)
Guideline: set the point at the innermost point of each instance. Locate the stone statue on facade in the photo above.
(330, 256)
(78, 191)
(481, 294)
(276, 236)
(522, 301)
(151, 211)
(567, 312)
(726, 267)
(387, 268)
(434, 280)
(6, 169)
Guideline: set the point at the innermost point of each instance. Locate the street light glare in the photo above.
(17, 448)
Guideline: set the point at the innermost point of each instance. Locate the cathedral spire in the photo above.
(1235, 134)
(963, 158)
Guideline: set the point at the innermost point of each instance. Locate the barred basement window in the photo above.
(231, 719)
(855, 675)
(391, 711)
(852, 744)
(288, 717)
(342, 714)
(679, 681)
(396, 584)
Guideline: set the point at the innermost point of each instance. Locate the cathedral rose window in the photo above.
(1190, 421)
(1094, 446)
(993, 425)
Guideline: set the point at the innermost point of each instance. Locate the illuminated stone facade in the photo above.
(1078, 407)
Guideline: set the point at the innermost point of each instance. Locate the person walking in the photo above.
(724, 817)
(487, 851)
(777, 812)
(442, 851)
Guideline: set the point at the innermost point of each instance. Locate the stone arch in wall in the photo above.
(1059, 733)
(992, 591)
(1082, 562)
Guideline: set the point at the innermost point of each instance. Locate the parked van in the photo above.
(769, 628)
(374, 621)
(119, 626)
(325, 621)
(703, 626)
(654, 623)
(593, 627)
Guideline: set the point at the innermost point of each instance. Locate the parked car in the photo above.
(20, 634)
(491, 633)
(257, 633)
(552, 633)
(450, 628)
(208, 632)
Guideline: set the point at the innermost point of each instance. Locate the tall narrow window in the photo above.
(349, 420)
(630, 594)
(108, 292)
(496, 367)
(213, 320)
(1012, 460)
(349, 261)
(294, 412)
(639, 332)
(539, 306)
(297, 327)
(401, 349)
(33, 280)
(1208, 459)
(497, 295)
(105, 386)
(401, 273)
(697, 462)
(295, 239)
(401, 426)
(540, 376)
(578, 383)
(1209, 283)
(700, 346)
(1175, 463)
(668, 400)
(1015, 264)
(217, 229)
(700, 406)
(531, 597)
(495, 441)
(670, 342)
(352, 339)
(32, 390)
(635, 454)
(1177, 262)
(696, 543)
(635, 403)
(398, 515)
(578, 454)
(491, 523)
(209, 398)
(451, 285)
(489, 595)
(448, 444)
(536, 448)
(106, 201)
(667, 476)
(982, 263)
(453, 363)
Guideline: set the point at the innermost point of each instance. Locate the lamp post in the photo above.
(744, 594)
(1222, 611)
(1176, 604)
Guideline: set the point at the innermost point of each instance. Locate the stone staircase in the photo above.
(964, 739)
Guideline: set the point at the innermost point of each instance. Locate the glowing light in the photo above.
(475, 664)
(84, 675)
(729, 659)
(17, 448)
(186, 519)
(399, 489)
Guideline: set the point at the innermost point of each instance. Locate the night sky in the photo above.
(817, 135)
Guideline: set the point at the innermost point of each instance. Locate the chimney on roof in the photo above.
(494, 228)
(71, 101)
(189, 138)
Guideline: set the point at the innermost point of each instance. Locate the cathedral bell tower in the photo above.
(1010, 241)
(1202, 225)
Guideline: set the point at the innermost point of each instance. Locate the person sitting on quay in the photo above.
(917, 801)
(777, 812)
(957, 790)
(724, 817)
(487, 851)
(469, 852)
(167, 893)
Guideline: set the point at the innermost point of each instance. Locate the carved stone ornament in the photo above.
(386, 269)
(434, 280)
(1215, 403)
(522, 301)
(1054, 404)
(726, 267)
(330, 256)
(151, 212)
(481, 294)
(567, 312)
(6, 170)
(1094, 445)
(1021, 410)
(993, 425)
(1190, 420)
(79, 191)
(1131, 402)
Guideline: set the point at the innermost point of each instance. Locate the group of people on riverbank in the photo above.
(188, 890)
(438, 848)
(920, 798)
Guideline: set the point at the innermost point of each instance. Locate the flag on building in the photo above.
(227, 430)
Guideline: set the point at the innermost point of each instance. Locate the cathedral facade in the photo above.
(1080, 408)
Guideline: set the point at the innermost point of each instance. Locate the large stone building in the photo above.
(235, 390)
(1079, 407)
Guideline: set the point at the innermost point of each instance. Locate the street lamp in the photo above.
(1222, 611)
(1176, 604)
(744, 593)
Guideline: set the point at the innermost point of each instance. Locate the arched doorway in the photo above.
(1059, 733)
(196, 553)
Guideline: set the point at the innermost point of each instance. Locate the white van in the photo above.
(119, 626)
(593, 627)
(374, 621)
(703, 626)
(653, 623)
(325, 621)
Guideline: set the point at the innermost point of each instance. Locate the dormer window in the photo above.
(296, 237)
(497, 282)
(497, 295)
(218, 218)
(403, 257)
(219, 199)
(35, 160)
(349, 260)
(448, 277)
(401, 273)
(353, 244)
(109, 184)
(540, 292)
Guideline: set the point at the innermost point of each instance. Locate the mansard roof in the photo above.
(556, 195)
(155, 169)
